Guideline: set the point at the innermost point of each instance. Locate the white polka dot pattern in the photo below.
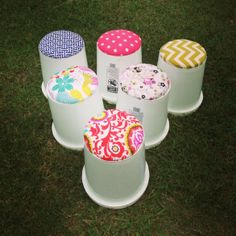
(119, 42)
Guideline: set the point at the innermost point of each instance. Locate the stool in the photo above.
(116, 49)
(184, 62)
(59, 50)
(73, 97)
(115, 174)
(144, 93)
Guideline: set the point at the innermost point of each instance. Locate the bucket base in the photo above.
(44, 90)
(63, 143)
(188, 110)
(157, 141)
(115, 204)
(109, 99)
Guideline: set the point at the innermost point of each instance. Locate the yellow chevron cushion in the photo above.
(183, 53)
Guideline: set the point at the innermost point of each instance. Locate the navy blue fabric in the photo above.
(61, 44)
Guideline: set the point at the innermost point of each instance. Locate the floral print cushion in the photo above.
(72, 85)
(113, 135)
(144, 81)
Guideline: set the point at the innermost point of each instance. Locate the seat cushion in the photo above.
(119, 42)
(144, 81)
(61, 44)
(113, 135)
(183, 53)
(72, 85)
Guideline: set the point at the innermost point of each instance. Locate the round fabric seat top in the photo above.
(61, 44)
(119, 42)
(113, 135)
(144, 81)
(183, 53)
(72, 85)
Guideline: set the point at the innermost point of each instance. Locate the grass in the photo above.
(193, 184)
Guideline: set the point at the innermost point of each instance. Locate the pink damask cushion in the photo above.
(113, 135)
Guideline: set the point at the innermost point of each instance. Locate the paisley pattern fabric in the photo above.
(113, 135)
(144, 81)
(72, 85)
(61, 44)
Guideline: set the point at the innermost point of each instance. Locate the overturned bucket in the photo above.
(184, 62)
(115, 174)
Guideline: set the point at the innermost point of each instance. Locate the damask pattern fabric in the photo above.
(113, 135)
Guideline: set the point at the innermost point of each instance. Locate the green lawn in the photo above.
(192, 189)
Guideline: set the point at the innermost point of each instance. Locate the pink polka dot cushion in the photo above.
(113, 135)
(119, 42)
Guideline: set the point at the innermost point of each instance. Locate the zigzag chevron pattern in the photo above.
(183, 53)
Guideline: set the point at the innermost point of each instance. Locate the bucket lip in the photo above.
(64, 36)
(116, 204)
(142, 145)
(80, 68)
(189, 110)
(65, 144)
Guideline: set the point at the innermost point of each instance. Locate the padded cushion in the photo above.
(61, 44)
(113, 135)
(72, 85)
(144, 81)
(119, 42)
(183, 53)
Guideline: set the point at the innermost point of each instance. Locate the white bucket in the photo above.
(50, 65)
(185, 95)
(109, 66)
(115, 184)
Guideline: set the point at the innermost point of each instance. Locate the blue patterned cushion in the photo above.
(61, 44)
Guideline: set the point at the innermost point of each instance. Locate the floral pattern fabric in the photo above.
(113, 135)
(72, 85)
(144, 81)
